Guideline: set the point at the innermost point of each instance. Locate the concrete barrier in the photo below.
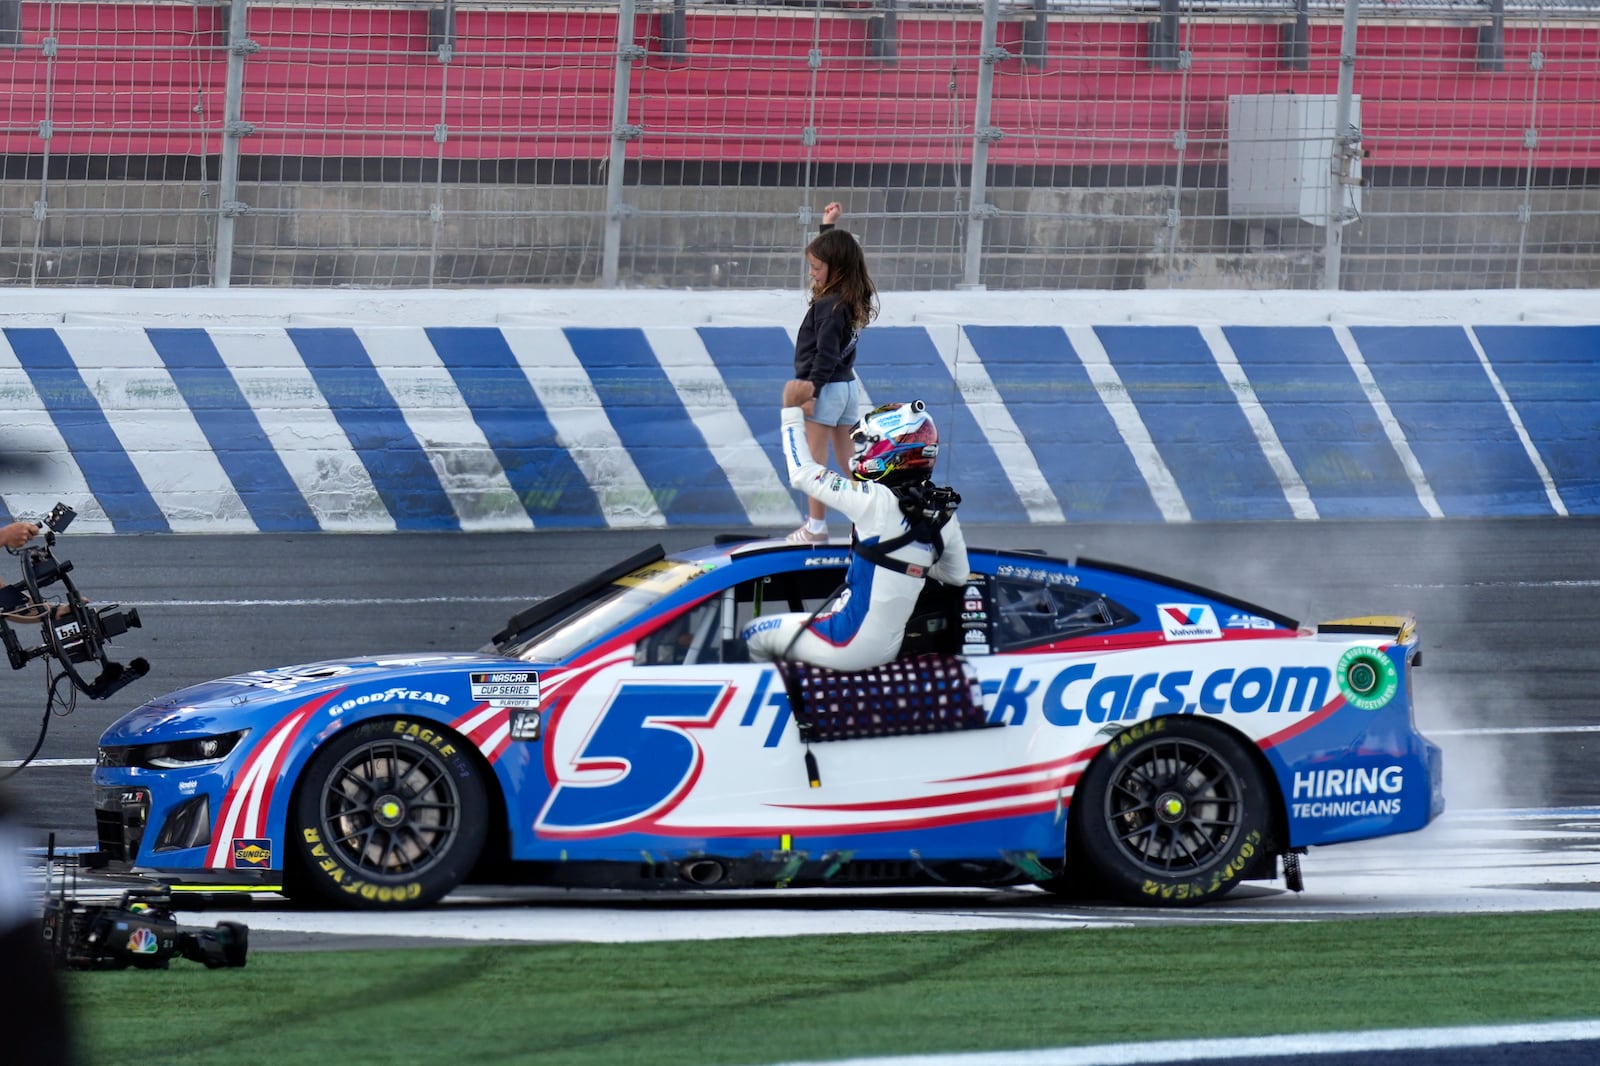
(291, 411)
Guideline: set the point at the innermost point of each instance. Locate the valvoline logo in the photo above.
(1188, 621)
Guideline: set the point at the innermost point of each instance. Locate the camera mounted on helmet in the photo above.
(895, 443)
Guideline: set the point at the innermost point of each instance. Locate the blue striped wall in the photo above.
(508, 428)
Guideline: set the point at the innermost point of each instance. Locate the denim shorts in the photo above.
(838, 404)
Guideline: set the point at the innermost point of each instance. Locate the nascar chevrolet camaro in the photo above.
(1093, 729)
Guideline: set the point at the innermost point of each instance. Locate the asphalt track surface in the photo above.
(1508, 613)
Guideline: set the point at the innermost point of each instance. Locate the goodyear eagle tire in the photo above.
(388, 814)
(1173, 812)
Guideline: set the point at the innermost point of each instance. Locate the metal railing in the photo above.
(662, 143)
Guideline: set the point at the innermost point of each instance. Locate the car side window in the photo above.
(800, 590)
(1033, 612)
(690, 638)
(696, 636)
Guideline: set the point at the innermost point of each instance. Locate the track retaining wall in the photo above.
(515, 410)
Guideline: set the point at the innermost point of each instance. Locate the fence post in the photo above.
(1343, 145)
(983, 134)
(621, 133)
(234, 128)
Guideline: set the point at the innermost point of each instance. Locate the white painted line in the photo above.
(1391, 425)
(1294, 489)
(447, 431)
(1507, 731)
(1516, 423)
(337, 601)
(1295, 1046)
(1577, 583)
(977, 391)
(583, 427)
(47, 471)
(10, 764)
(1130, 424)
(766, 499)
(158, 432)
(303, 430)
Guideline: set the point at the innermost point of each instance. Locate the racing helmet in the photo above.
(895, 442)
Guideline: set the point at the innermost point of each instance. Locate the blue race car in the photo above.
(1097, 730)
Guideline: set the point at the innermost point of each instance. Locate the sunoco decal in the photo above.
(506, 688)
(252, 854)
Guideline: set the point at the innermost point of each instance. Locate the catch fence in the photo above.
(659, 143)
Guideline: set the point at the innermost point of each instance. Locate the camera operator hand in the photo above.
(17, 534)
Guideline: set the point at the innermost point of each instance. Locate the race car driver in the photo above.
(905, 531)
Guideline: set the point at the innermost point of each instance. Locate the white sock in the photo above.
(816, 525)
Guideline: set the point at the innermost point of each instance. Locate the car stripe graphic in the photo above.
(251, 794)
(1032, 768)
(1315, 718)
(954, 817)
(951, 799)
(499, 740)
(245, 786)
(487, 728)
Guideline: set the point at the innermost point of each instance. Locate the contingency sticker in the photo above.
(525, 725)
(1188, 621)
(506, 688)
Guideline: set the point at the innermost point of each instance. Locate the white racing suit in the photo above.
(864, 625)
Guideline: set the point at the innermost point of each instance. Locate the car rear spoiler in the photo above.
(1395, 628)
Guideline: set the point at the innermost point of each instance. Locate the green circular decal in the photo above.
(1367, 678)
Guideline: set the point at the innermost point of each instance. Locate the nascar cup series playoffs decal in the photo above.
(506, 688)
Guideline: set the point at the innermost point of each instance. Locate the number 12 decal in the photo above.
(642, 734)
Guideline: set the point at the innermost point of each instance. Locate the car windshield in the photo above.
(605, 610)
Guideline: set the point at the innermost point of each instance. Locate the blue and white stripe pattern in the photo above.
(510, 427)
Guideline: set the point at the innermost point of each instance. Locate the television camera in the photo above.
(71, 631)
(139, 930)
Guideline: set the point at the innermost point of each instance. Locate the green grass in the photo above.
(766, 1000)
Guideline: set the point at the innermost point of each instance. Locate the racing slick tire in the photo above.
(1173, 812)
(389, 814)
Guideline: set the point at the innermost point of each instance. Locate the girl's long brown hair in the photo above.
(847, 274)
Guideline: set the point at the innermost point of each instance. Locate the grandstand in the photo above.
(495, 143)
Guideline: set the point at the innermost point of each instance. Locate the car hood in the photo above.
(243, 700)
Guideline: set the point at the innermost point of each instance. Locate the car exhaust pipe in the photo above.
(703, 871)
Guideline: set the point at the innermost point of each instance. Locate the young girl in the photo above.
(843, 301)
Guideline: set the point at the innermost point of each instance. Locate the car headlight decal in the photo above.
(190, 754)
